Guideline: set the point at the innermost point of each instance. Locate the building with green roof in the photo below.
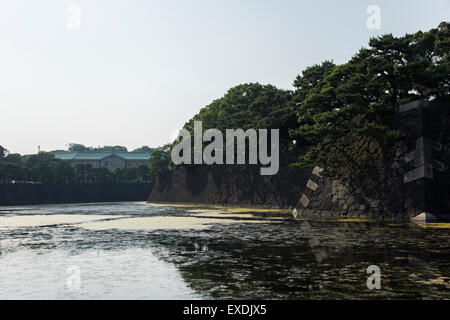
(109, 160)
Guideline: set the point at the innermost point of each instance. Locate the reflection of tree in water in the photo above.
(311, 260)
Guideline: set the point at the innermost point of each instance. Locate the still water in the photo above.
(148, 251)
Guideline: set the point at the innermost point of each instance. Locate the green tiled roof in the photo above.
(134, 155)
(101, 155)
(65, 156)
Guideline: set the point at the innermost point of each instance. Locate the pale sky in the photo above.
(137, 70)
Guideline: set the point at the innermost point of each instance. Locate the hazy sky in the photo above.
(136, 71)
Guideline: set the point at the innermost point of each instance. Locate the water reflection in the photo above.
(316, 260)
(270, 257)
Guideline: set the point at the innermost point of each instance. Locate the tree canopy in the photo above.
(143, 149)
(3, 152)
(250, 105)
(76, 147)
(160, 159)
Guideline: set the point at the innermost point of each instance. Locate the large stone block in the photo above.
(317, 170)
(418, 173)
(312, 185)
(304, 201)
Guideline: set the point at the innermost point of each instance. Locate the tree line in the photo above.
(77, 147)
(45, 168)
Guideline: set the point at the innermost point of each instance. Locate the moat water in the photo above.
(148, 251)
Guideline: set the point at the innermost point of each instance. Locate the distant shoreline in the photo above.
(37, 194)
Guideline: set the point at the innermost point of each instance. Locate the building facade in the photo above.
(108, 160)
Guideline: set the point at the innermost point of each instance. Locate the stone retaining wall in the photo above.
(416, 183)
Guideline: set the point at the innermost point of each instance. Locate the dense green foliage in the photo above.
(76, 147)
(160, 159)
(247, 106)
(143, 149)
(3, 152)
